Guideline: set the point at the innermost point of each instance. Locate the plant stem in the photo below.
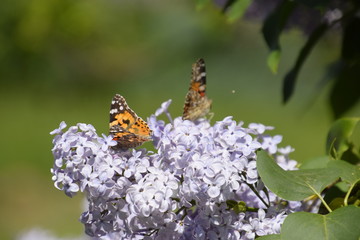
(348, 194)
(321, 198)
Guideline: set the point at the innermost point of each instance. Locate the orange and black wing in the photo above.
(126, 127)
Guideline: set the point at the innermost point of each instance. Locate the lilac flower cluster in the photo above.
(190, 188)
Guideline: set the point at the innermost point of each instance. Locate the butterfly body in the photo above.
(126, 127)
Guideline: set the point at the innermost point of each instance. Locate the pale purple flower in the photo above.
(270, 143)
(181, 190)
(164, 108)
(62, 125)
(106, 142)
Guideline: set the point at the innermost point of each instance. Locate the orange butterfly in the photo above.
(127, 128)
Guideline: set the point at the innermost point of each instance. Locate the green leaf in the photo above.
(237, 207)
(344, 95)
(273, 60)
(355, 139)
(200, 4)
(228, 4)
(345, 91)
(351, 39)
(346, 171)
(237, 10)
(319, 162)
(293, 185)
(270, 237)
(341, 224)
(338, 139)
(275, 23)
(291, 76)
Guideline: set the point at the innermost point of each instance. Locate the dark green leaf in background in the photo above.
(228, 4)
(351, 41)
(345, 92)
(290, 78)
(275, 23)
(271, 30)
(340, 136)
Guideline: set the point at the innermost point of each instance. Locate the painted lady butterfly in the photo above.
(126, 127)
(197, 104)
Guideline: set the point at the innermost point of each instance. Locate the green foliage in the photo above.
(344, 95)
(300, 184)
(200, 4)
(293, 185)
(337, 180)
(317, 162)
(345, 91)
(343, 140)
(346, 171)
(342, 223)
(237, 9)
(273, 60)
(291, 76)
(274, 24)
(238, 207)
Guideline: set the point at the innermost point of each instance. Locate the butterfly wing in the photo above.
(127, 128)
(197, 104)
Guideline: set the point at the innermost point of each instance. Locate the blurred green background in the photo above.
(64, 60)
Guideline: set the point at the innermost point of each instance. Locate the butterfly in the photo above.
(197, 104)
(126, 127)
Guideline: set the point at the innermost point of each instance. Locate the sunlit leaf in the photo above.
(291, 76)
(273, 60)
(237, 10)
(341, 224)
(293, 185)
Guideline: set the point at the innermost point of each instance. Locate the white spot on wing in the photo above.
(112, 111)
